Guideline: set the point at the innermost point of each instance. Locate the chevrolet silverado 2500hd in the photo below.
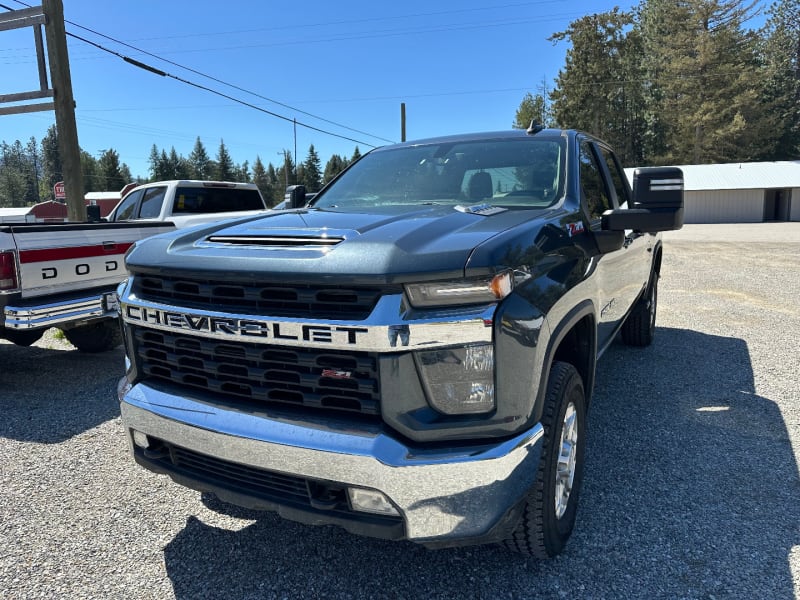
(65, 276)
(411, 354)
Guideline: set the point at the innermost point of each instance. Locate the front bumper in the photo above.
(444, 496)
(99, 305)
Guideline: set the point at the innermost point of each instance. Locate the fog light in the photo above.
(459, 381)
(140, 439)
(371, 501)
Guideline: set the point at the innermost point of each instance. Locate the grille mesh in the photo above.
(309, 378)
(273, 299)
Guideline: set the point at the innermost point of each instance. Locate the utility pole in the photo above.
(64, 108)
(402, 121)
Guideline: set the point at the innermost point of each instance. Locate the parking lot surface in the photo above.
(691, 484)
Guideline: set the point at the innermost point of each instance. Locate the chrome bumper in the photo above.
(54, 314)
(443, 495)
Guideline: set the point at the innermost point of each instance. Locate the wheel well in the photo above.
(578, 347)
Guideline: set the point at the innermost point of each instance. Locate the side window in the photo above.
(125, 211)
(151, 202)
(617, 177)
(593, 187)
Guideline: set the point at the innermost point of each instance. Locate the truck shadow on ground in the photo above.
(49, 395)
(690, 490)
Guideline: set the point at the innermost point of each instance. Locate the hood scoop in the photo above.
(277, 241)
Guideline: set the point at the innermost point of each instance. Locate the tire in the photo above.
(640, 326)
(23, 337)
(548, 515)
(96, 337)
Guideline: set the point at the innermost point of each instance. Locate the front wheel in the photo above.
(550, 509)
(640, 326)
(95, 337)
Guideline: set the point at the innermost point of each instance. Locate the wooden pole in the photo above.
(402, 121)
(65, 109)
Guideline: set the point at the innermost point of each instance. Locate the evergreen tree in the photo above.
(200, 163)
(262, 179)
(110, 171)
(335, 165)
(51, 162)
(225, 169)
(242, 172)
(288, 170)
(599, 90)
(92, 179)
(32, 170)
(276, 178)
(179, 167)
(157, 164)
(13, 184)
(699, 61)
(780, 59)
(312, 171)
(356, 155)
(531, 109)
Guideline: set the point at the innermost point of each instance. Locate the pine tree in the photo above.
(335, 165)
(200, 163)
(312, 171)
(356, 155)
(225, 169)
(51, 161)
(110, 171)
(157, 163)
(262, 180)
(780, 59)
(599, 89)
(699, 63)
(532, 109)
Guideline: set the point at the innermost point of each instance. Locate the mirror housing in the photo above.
(657, 202)
(296, 196)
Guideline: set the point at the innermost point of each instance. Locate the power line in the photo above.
(212, 78)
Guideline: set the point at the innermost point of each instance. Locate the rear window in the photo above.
(192, 200)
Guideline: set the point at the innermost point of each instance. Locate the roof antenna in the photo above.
(534, 128)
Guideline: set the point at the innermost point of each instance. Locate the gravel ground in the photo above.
(691, 485)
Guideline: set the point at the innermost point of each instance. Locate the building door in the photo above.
(777, 205)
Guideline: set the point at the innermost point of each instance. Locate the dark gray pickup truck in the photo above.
(411, 354)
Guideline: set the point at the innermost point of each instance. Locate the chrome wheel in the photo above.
(567, 459)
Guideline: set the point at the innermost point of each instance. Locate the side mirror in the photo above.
(296, 196)
(657, 202)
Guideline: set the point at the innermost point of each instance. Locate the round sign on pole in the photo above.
(58, 191)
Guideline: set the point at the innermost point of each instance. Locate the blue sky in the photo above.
(344, 67)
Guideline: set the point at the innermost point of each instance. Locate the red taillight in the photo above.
(8, 271)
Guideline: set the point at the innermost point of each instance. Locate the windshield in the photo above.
(519, 172)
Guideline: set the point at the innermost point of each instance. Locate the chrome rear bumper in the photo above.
(54, 314)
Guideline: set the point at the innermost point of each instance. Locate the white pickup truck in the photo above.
(189, 202)
(64, 276)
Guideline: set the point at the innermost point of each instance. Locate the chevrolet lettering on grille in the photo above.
(244, 328)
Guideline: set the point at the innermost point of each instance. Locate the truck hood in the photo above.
(387, 245)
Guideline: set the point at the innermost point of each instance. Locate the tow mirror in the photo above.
(657, 202)
(296, 196)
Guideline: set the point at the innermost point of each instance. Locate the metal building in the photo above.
(741, 192)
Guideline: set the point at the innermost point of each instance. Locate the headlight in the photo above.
(465, 291)
(459, 381)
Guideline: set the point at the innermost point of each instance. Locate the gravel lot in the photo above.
(691, 487)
